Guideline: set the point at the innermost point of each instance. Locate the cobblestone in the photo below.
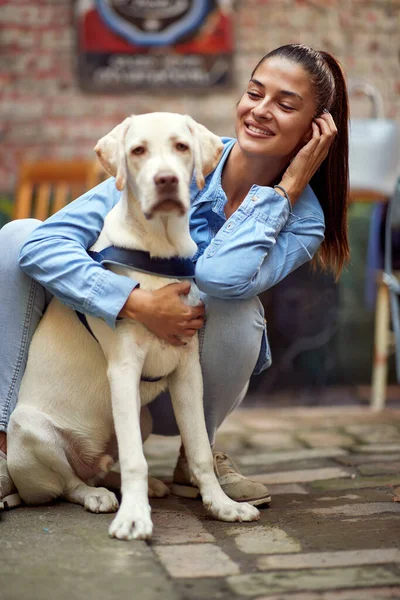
(322, 439)
(301, 476)
(266, 540)
(190, 561)
(331, 533)
(329, 559)
(271, 458)
(314, 579)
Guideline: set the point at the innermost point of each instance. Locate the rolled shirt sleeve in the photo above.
(259, 245)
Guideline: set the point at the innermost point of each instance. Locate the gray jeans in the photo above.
(230, 340)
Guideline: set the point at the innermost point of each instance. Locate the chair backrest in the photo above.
(46, 186)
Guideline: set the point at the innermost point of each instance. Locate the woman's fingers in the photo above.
(327, 117)
(190, 332)
(196, 323)
(175, 341)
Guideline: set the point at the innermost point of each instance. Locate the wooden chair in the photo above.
(383, 336)
(46, 186)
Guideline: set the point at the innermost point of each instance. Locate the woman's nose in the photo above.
(262, 112)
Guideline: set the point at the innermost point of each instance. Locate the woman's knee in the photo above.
(233, 334)
(12, 236)
(240, 316)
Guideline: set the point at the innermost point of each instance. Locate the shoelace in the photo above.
(229, 465)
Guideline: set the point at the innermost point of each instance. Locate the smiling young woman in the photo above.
(297, 95)
(277, 199)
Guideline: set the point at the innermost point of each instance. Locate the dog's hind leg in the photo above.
(40, 469)
(30, 435)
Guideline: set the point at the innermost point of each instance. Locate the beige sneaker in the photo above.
(9, 497)
(234, 484)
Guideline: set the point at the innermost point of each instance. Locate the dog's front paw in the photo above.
(101, 500)
(157, 488)
(228, 510)
(133, 523)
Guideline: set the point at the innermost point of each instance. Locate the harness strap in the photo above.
(174, 267)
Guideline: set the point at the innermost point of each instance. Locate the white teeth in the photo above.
(256, 130)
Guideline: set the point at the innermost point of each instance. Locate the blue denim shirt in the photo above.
(263, 241)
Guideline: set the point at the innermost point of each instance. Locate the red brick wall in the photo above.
(43, 113)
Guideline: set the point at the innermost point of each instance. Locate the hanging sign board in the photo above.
(159, 44)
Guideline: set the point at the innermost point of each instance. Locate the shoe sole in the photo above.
(190, 491)
(11, 501)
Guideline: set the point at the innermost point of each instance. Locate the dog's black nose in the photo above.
(165, 180)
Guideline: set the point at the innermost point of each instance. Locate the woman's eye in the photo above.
(138, 150)
(285, 107)
(181, 147)
(253, 95)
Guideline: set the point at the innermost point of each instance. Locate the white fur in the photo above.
(77, 394)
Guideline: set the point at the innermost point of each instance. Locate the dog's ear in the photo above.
(110, 150)
(207, 150)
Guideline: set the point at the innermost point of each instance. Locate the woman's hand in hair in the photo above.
(310, 157)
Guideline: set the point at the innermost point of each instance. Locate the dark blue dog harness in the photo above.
(173, 268)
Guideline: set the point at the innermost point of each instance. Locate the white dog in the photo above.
(78, 393)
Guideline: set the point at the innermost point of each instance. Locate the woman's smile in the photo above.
(254, 130)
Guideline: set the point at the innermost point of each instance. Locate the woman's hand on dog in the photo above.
(163, 312)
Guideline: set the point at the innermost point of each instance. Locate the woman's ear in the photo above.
(307, 137)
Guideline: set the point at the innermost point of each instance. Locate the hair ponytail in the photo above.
(331, 182)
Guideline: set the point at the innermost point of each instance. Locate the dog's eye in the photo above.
(181, 147)
(138, 150)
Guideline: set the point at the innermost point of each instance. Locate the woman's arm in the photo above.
(257, 248)
(56, 256)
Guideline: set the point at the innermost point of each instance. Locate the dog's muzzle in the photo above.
(167, 195)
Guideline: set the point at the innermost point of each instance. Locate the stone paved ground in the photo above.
(331, 533)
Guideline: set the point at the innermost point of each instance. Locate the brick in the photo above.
(391, 593)
(374, 448)
(355, 510)
(287, 488)
(256, 423)
(290, 455)
(272, 439)
(34, 16)
(380, 468)
(355, 460)
(375, 434)
(301, 476)
(266, 540)
(313, 579)
(196, 560)
(316, 560)
(178, 527)
(318, 439)
(357, 483)
(23, 109)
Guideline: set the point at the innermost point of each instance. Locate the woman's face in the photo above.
(274, 115)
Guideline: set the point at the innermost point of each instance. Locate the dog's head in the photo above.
(155, 154)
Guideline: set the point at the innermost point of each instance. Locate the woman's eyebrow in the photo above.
(292, 94)
(282, 92)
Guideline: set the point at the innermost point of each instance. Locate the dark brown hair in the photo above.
(331, 182)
